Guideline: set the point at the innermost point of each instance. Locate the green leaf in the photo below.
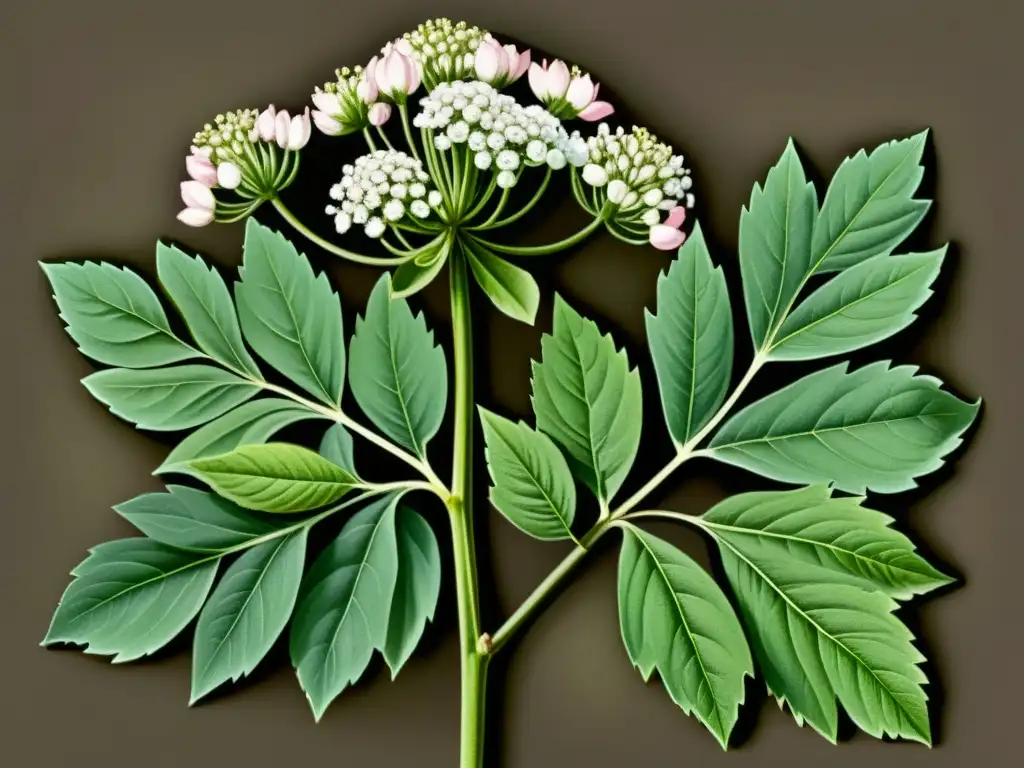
(510, 288)
(398, 375)
(836, 533)
(164, 399)
(818, 636)
(869, 207)
(862, 305)
(247, 612)
(249, 424)
(775, 244)
(417, 587)
(532, 485)
(344, 605)
(275, 477)
(336, 446)
(414, 275)
(189, 519)
(675, 619)
(588, 401)
(691, 339)
(129, 600)
(290, 316)
(203, 300)
(114, 317)
(877, 428)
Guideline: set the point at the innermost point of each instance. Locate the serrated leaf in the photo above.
(190, 519)
(510, 288)
(869, 207)
(275, 477)
(691, 339)
(876, 427)
(336, 446)
(674, 618)
(344, 605)
(128, 601)
(290, 316)
(166, 399)
(416, 274)
(249, 424)
(247, 612)
(398, 375)
(417, 587)
(114, 317)
(203, 300)
(532, 485)
(836, 533)
(862, 305)
(588, 401)
(775, 244)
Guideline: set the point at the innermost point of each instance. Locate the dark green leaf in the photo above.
(336, 446)
(510, 288)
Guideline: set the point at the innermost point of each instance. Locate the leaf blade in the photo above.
(510, 288)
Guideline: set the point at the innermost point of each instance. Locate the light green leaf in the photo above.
(588, 401)
(275, 477)
(532, 485)
(877, 428)
(247, 612)
(336, 446)
(836, 533)
(416, 274)
(398, 375)
(691, 339)
(290, 316)
(164, 399)
(862, 305)
(674, 618)
(869, 207)
(510, 288)
(344, 605)
(775, 244)
(114, 317)
(129, 600)
(417, 587)
(203, 300)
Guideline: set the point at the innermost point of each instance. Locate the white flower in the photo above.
(536, 151)
(394, 210)
(507, 160)
(595, 175)
(556, 159)
(434, 198)
(417, 190)
(482, 160)
(342, 223)
(419, 209)
(506, 179)
(374, 227)
(617, 191)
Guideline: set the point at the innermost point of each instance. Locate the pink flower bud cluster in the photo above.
(567, 93)
(499, 65)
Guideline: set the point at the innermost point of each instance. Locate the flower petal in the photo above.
(201, 169)
(596, 111)
(558, 79)
(666, 238)
(327, 124)
(581, 92)
(676, 217)
(539, 81)
(281, 128)
(229, 175)
(195, 217)
(195, 194)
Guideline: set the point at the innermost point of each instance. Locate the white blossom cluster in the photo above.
(379, 189)
(445, 50)
(501, 133)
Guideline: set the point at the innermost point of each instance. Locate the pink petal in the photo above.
(596, 111)
(281, 128)
(539, 81)
(522, 65)
(558, 79)
(265, 124)
(327, 102)
(666, 238)
(396, 72)
(326, 124)
(581, 92)
(676, 217)
(195, 194)
(414, 75)
(195, 217)
(201, 169)
(380, 113)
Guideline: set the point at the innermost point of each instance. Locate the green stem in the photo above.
(404, 111)
(369, 139)
(541, 250)
(384, 138)
(522, 211)
(327, 245)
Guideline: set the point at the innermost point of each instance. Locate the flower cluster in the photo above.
(567, 93)
(445, 51)
(382, 189)
(343, 106)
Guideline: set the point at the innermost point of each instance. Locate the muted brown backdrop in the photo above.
(100, 99)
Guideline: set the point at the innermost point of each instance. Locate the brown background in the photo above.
(100, 101)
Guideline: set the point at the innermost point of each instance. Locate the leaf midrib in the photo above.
(536, 482)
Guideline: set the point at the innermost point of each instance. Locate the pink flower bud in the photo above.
(676, 217)
(195, 194)
(666, 238)
(195, 217)
(366, 88)
(518, 63)
(201, 169)
(327, 102)
(557, 79)
(597, 110)
(327, 124)
(379, 114)
(491, 62)
(395, 73)
(299, 131)
(281, 124)
(581, 92)
(266, 124)
(228, 175)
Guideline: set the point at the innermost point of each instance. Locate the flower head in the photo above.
(444, 50)
(567, 93)
(499, 65)
(342, 106)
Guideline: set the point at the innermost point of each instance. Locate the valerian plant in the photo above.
(816, 575)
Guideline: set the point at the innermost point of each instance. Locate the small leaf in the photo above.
(398, 375)
(164, 399)
(275, 477)
(877, 428)
(510, 288)
(532, 484)
(203, 300)
(336, 446)
(290, 316)
(114, 317)
(129, 600)
(416, 274)
(675, 619)
(588, 401)
(247, 612)
(691, 339)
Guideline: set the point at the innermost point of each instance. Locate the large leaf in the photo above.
(877, 427)
(675, 619)
(775, 244)
(275, 477)
(345, 605)
(588, 400)
(691, 339)
(397, 373)
(510, 288)
(114, 317)
(178, 397)
(203, 299)
(290, 316)
(417, 587)
(862, 305)
(532, 484)
(247, 612)
(869, 207)
(336, 446)
(837, 533)
(129, 600)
